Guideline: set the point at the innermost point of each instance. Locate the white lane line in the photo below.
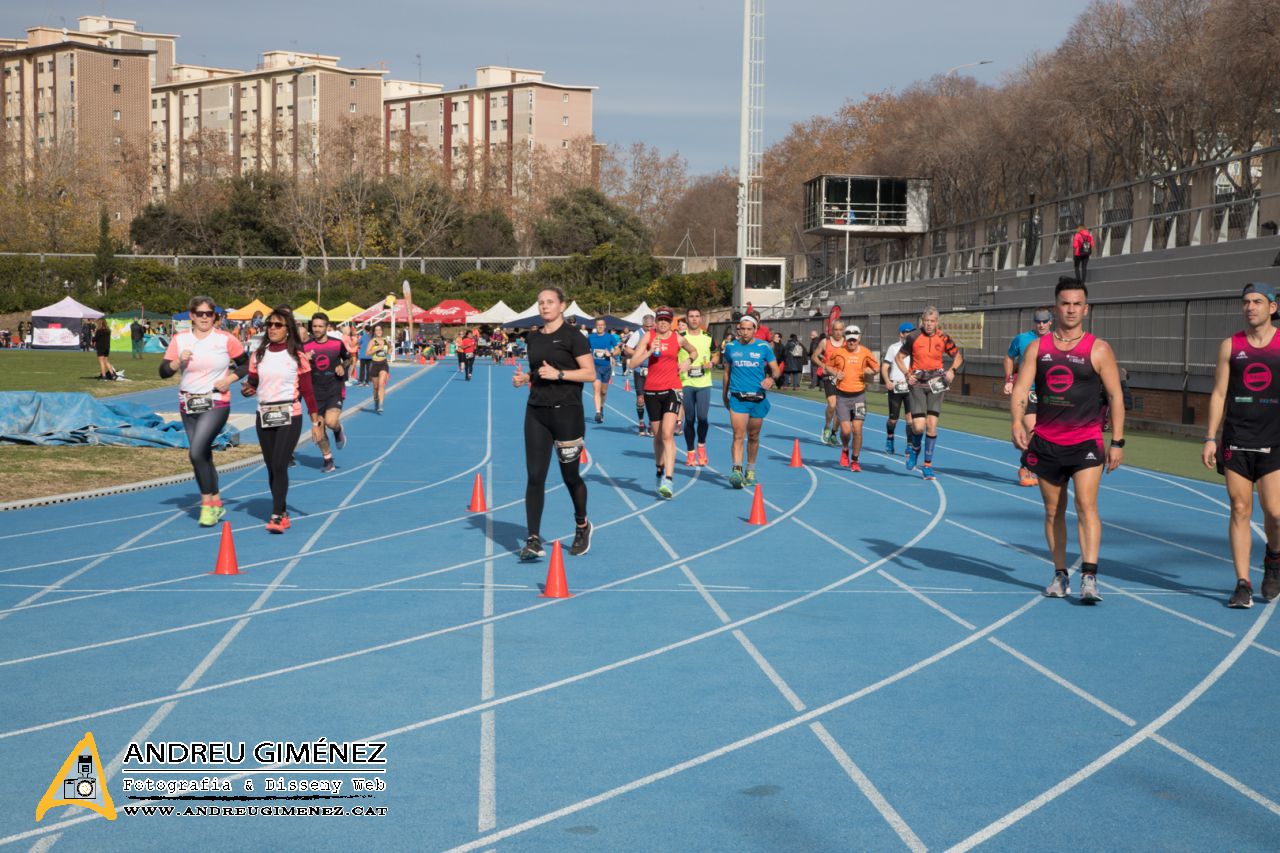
(487, 805)
(996, 827)
(1221, 775)
(924, 599)
(1062, 682)
(869, 790)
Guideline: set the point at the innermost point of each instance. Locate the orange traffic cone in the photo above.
(226, 564)
(556, 587)
(757, 508)
(796, 461)
(477, 496)
(626, 386)
(583, 459)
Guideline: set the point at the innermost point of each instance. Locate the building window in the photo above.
(565, 97)
(564, 120)
(564, 143)
(154, 103)
(115, 63)
(115, 140)
(351, 108)
(493, 126)
(39, 67)
(352, 82)
(115, 88)
(115, 114)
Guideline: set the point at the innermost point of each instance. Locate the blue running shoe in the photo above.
(888, 447)
(912, 453)
(927, 471)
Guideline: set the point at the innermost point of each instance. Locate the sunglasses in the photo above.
(202, 313)
(276, 324)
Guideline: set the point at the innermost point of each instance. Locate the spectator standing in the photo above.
(366, 362)
(1081, 250)
(793, 362)
(137, 335)
(815, 340)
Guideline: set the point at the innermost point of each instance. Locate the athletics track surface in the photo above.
(873, 670)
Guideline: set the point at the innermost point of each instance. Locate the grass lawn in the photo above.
(40, 370)
(79, 468)
(1151, 450)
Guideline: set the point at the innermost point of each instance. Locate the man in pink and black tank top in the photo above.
(1246, 403)
(1077, 382)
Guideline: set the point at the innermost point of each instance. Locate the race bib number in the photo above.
(197, 403)
(602, 354)
(277, 415)
(937, 384)
(859, 410)
(695, 371)
(900, 388)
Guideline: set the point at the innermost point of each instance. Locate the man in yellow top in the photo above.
(849, 367)
(695, 376)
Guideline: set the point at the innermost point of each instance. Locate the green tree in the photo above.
(485, 234)
(104, 259)
(582, 219)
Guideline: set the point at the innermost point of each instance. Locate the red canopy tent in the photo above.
(450, 311)
(380, 313)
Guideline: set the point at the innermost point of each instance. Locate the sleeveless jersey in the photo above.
(664, 374)
(326, 356)
(1253, 395)
(1070, 407)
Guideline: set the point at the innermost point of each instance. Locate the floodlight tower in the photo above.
(758, 280)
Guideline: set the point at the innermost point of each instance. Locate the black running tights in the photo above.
(543, 427)
(202, 429)
(278, 444)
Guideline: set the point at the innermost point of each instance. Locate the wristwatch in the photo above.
(1118, 442)
(561, 376)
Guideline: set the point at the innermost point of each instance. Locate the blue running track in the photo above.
(875, 669)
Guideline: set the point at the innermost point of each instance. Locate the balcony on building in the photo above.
(865, 205)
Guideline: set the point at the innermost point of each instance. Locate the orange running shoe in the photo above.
(702, 454)
(1026, 478)
(854, 466)
(844, 458)
(691, 458)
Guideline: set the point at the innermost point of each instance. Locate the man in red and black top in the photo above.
(466, 349)
(1077, 382)
(1246, 403)
(330, 365)
(921, 360)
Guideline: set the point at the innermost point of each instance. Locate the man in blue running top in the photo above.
(604, 347)
(1043, 324)
(750, 370)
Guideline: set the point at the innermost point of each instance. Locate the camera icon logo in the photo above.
(78, 783)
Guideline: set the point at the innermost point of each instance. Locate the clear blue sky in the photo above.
(668, 72)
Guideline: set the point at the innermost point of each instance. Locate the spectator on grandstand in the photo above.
(1081, 249)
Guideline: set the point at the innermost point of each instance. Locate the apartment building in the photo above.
(273, 118)
(73, 91)
(509, 108)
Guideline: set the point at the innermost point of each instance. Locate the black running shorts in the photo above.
(1253, 465)
(659, 403)
(1057, 463)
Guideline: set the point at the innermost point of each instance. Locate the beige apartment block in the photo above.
(223, 123)
(507, 108)
(73, 93)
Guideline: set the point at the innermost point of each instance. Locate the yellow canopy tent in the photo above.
(344, 312)
(247, 312)
(304, 312)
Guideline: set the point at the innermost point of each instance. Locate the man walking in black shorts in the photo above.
(1070, 369)
(1245, 390)
(330, 365)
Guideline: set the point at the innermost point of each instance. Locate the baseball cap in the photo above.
(906, 327)
(1267, 290)
(852, 332)
(664, 314)
(1042, 317)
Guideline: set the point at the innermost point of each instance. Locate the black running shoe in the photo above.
(293, 462)
(532, 549)
(599, 417)
(341, 438)
(581, 540)
(329, 467)
(1242, 598)
(1270, 580)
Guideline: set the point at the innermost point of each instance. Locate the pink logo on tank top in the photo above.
(1032, 459)
(1257, 377)
(1059, 379)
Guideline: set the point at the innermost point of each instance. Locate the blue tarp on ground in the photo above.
(30, 417)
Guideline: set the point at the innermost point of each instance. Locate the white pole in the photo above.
(392, 356)
(744, 126)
